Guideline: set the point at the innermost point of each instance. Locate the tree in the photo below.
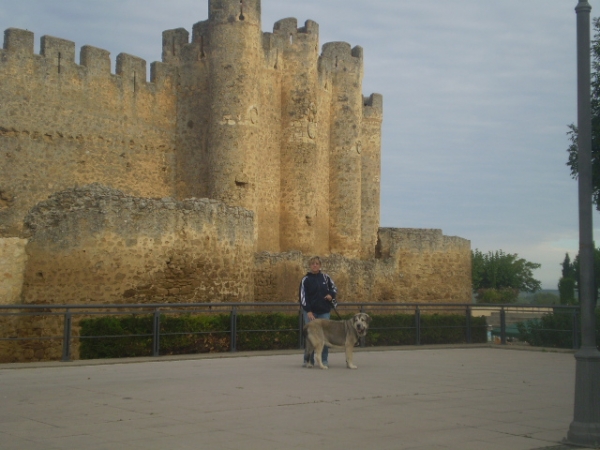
(575, 275)
(498, 277)
(545, 298)
(572, 161)
(567, 283)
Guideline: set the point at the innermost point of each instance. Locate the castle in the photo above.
(245, 153)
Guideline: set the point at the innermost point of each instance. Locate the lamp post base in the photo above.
(585, 428)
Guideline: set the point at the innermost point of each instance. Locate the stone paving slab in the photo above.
(425, 399)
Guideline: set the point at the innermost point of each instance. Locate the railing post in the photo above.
(156, 333)
(233, 328)
(468, 330)
(503, 326)
(300, 328)
(66, 356)
(417, 326)
(575, 329)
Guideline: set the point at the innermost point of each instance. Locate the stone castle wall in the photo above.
(97, 245)
(244, 154)
(412, 265)
(63, 124)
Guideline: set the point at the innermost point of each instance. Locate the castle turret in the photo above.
(301, 173)
(345, 154)
(370, 138)
(234, 52)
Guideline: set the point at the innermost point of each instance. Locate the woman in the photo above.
(317, 297)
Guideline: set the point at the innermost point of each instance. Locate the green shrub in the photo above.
(188, 334)
(253, 331)
(181, 334)
(400, 329)
(553, 330)
(502, 296)
(128, 336)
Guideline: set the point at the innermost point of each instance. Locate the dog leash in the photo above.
(338, 314)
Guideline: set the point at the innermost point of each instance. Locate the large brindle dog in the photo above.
(332, 333)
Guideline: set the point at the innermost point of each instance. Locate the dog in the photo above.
(334, 333)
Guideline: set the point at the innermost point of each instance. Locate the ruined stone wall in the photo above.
(63, 124)
(412, 265)
(12, 267)
(423, 265)
(97, 245)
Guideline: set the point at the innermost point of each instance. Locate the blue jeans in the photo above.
(325, 349)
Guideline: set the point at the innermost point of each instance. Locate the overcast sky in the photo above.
(477, 99)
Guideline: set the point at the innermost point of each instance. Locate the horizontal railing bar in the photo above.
(344, 305)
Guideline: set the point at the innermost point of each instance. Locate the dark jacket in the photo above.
(313, 289)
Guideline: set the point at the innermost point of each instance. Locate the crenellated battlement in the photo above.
(343, 57)
(18, 41)
(288, 32)
(173, 43)
(232, 11)
(373, 106)
(18, 48)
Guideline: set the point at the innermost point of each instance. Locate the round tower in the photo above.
(345, 152)
(370, 138)
(301, 173)
(234, 51)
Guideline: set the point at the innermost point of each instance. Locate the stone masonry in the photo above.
(244, 154)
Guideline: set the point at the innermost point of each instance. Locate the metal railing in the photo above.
(234, 309)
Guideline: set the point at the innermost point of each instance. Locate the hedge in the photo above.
(129, 336)
(553, 330)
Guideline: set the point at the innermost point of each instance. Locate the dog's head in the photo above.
(360, 322)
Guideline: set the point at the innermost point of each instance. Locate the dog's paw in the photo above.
(324, 367)
(352, 366)
(309, 366)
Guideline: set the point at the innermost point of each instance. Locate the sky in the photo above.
(477, 99)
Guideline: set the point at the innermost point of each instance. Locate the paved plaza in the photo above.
(480, 397)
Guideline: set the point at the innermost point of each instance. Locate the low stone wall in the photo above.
(423, 265)
(97, 245)
(412, 265)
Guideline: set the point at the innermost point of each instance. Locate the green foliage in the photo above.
(502, 272)
(188, 334)
(502, 296)
(572, 160)
(544, 298)
(400, 329)
(566, 289)
(182, 334)
(132, 337)
(128, 336)
(267, 331)
(553, 330)
(568, 269)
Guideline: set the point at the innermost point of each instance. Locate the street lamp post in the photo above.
(585, 428)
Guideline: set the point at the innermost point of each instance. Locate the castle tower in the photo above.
(301, 173)
(370, 138)
(234, 53)
(345, 148)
